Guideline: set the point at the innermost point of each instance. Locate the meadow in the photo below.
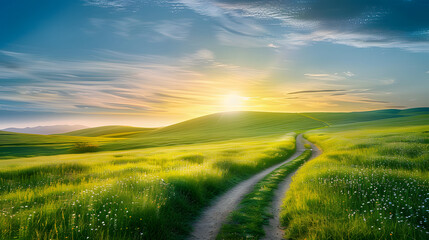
(248, 220)
(371, 182)
(18, 145)
(134, 194)
(153, 183)
(211, 128)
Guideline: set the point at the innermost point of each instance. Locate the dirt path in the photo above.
(273, 230)
(208, 225)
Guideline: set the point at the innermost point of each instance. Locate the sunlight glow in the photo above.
(233, 102)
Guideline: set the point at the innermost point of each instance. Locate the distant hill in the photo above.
(243, 124)
(109, 131)
(13, 145)
(219, 127)
(210, 128)
(46, 130)
(335, 118)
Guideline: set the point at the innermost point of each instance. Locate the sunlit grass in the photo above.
(371, 182)
(154, 193)
(17, 145)
(136, 194)
(246, 222)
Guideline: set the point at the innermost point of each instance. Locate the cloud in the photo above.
(121, 83)
(349, 74)
(116, 4)
(201, 56)
(271, 45)
(324, 76)
(130, 27)
(372, 101)
(232, 28)
(317, 91)
(388, 81)
(367, 23)
(177, 29)
(354, 39)
(234, 39)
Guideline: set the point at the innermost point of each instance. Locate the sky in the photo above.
(157, 62)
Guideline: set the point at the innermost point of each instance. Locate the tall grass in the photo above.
(247, 221)
(84, 147)
(371, 183)
(135, 194)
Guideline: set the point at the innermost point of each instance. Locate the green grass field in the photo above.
(219, 127)
(16, 145)
(152, 183)
(248, 220)
(211, 128)
(372, 182)
(133, 194)
(109, 131)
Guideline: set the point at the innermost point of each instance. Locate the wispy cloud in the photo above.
(130, 27)
(328, 76)
(177, 29)
(393, 24)
(349, 74)
(354, 39)
(372, 101)
(367, 24)
(122, 83)
(317, 91)
(116, 4)
(388, 81)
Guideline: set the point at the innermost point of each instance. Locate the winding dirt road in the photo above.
(273, 230)
(208, 225)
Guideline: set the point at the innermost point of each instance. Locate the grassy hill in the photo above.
(353, 117)
(371, 182)
(152, 193)
(27, 145)
(219, 127)
(210, 128)
(109, 131)
(157, 192)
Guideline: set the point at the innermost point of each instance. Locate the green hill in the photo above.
(219, 127)
(353, 117)
(210, 128)
(14, 145)
(109, 131)
(232, 125)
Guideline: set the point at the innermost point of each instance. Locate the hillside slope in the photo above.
(108, 131)
(219, 127)
(14, 145)
(46, 130)
(353, 117)
(210, 128)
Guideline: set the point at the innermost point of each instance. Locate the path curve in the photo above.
(273, 230)
(208, 225)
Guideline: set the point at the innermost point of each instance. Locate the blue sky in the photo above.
(152, 63)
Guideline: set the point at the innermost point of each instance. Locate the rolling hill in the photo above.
(108, 131)
(209, 128)
(219, 127)
(13, 145)
(46, 130)
(353, 117)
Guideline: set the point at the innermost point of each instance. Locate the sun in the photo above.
(233, 102)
